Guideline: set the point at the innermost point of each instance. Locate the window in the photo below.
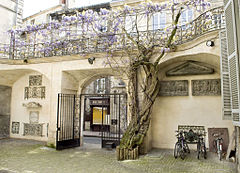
(130, 24)
(103, 27)
(187, 16)
(159, 21)
(100, 86)
(32, 22)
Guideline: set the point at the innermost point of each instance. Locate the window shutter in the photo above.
(232, 59)
(225, 85)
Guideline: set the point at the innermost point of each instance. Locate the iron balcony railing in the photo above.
(74, 43)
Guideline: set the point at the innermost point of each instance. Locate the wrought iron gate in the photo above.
(112, 121)
(108, 115)
(68, 121)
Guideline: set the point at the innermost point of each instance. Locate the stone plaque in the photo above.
(15, 127)
(33, 129)
(34, 92)
(190, 68)
(174, 88)
(32, 105)
(35, 80)
(33, 117)
(207, 87)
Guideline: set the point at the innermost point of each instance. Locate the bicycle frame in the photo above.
(181, 146)
(218, 143)
(201, 148)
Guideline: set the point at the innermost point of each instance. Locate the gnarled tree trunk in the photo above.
(141, 113)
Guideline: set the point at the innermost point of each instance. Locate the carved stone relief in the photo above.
(33, 117)
(174, 88)
(34, 92)
(190, 68)
(32, 105)
(207, 87)
(33, 129)
(35, 80)
(15, 127)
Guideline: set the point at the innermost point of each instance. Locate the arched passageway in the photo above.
(104, 114)
(98, 111)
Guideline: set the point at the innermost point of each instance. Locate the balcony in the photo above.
(71, 40)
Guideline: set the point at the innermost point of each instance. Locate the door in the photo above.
(68, 121)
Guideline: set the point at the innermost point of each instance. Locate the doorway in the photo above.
(105, 118)
(104, 126)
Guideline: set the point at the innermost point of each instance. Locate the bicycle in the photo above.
(201, 147)
(218, 143)
(181, 147)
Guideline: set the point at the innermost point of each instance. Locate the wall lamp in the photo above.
(210, 43)
(25, 60)
(91, 60)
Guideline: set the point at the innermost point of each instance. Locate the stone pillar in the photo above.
(80, 91)
(5, 102)
(55, 88)
(237, 148)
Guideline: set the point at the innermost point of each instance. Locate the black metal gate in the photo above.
(68, 121)
(107, 114)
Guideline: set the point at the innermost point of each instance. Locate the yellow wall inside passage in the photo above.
(97, 115)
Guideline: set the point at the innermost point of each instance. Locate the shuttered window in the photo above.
(225, 81)
(232, 59)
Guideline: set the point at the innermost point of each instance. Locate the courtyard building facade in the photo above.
(191, 91)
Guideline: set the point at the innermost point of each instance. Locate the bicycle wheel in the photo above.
(176, 149)
(204, 151)
(181, 152)
(198, 150)
(220, 152)
(187, 150)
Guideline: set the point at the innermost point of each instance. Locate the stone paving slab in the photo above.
(26, 156)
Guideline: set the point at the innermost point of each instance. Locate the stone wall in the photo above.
(5, 101)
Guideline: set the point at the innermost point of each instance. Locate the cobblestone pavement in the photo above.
(26, 156)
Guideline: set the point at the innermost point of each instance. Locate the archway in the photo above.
(190, 95)
(24, 102)
(104, 111)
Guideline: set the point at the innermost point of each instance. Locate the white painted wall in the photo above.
(8, 19)
(69, 84)
(42, 16)
(169, 112)
(19, 113)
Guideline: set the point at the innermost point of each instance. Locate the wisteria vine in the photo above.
(91, 31)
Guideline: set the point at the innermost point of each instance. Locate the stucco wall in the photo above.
(42, 16)
(20, 113)
(171, 111)
(8, 10)
(69, 84)
(5, 101)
